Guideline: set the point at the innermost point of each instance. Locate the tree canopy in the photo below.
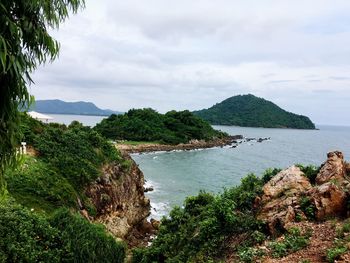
(25, 43)
(174, 127)
(251, 111)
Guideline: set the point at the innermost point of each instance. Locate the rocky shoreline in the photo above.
(192, 145)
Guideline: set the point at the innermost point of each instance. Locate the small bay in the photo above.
(176, 175)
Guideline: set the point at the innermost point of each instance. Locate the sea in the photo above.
(178, 174)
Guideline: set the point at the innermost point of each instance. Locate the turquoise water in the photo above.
(175, 175)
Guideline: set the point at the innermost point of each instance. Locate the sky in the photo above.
(192, 54)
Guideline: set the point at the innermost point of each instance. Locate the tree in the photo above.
(25, 43)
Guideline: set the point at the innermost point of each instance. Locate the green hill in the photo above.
(148, 125)
(251, 111)
(63, 107)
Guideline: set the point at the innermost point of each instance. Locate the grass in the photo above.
(340, 245)
(35, 185)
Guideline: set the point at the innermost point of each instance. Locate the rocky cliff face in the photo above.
(118, 196)
(289, 196)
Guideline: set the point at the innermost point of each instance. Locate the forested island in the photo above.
(147, 125)
(251, 111)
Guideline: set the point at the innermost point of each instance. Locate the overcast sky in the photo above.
(192, 54)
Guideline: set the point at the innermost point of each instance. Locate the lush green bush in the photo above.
(36, 185)
(341, 242)
(149, 125)
(86, 242)
(294, 240)
(310, 171)
(27, 237)
(198, 232)
(307, 207)
(75, 152)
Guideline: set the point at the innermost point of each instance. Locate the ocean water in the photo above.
(87, 120)
(176, 175)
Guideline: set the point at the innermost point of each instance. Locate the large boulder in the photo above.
(329, 200)
(290, 181)
(280, 200)
(333, 169)
(285, 194)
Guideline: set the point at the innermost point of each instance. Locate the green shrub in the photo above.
(27, 237)
(35, 185)
(310, 172)
(198, 232)
(269, 173)
(335, 253)
(307, 207)
(249, 254)
(86, 242)
(294, 241)
(77, 152)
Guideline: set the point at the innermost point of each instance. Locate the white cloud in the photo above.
(192, 54)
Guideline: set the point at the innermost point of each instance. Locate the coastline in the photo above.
(193, 145)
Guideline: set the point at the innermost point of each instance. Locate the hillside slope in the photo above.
(63, 107)
(251, 111)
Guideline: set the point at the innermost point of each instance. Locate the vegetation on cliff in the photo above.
(148, 125)
(251, 111)
(278, 215)
(47, 190)
(201, 230)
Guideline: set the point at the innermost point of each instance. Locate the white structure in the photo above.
(24, 148)
(39, 116)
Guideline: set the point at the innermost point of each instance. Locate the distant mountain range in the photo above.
(251, 111)
(63, 107)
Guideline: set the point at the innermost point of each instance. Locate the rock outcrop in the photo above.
(280, 200)
(287, 193)
(333, 169)
(329, 200)
(118, 196)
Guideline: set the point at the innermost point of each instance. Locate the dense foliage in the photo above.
(84, 241)
(25, 43)
(26, 236)
(149, 125)
(76, 152)
(49, 183)
(251, 111)
(201, 230)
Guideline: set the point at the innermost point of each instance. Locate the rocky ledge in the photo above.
(290, 196)
(118, 195)
(192, 145)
